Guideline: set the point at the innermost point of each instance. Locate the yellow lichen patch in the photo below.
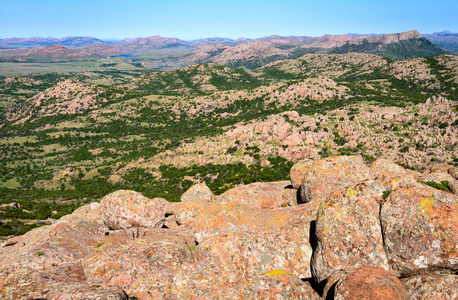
(426, 205)
(352, 192)
(276, 272)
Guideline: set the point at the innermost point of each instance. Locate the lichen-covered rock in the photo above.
(125, 209)
(275, 284)
(251, 253)
(392, 181)
(141, 261)
(381, 166)
(64, 282)
(328, 175)
(261, 195)
(297, 172)
(420, 227)
(348, 230)
(432, 287)
(370, 283)
(208, 218)
(197, 192)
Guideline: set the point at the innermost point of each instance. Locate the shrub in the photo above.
(443, 185)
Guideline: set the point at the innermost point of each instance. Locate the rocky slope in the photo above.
(349, 231)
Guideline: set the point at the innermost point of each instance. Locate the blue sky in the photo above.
(238, 18)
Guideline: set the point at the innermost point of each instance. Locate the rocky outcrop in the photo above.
(359, 238)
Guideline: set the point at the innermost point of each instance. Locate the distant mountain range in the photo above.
(444, 39)
(243, 52)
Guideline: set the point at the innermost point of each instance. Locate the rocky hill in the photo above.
(338, 230)
(47, 54)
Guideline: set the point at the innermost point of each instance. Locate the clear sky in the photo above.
(215, 18)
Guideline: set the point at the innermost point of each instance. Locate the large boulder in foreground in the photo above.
(261, 195)
(209, 218)
(125, 209)
(251, 253)
(370, 283)
(348, 231)
(330, 174)
(432, 287)
(276, 284)
(420, 226)
(198, 192)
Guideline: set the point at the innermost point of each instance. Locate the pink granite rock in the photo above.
(275, 284)
(141, 261)
(348, 230)
(370, 283)
(261, 195)
(197, 192)
(69, 239)
(64, 282)
(125, 209)
(420, 228)
(298, 171)
(208, 218)
(328, 175)
(432, 287)
(251, 253)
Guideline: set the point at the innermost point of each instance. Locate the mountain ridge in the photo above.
(397, 45)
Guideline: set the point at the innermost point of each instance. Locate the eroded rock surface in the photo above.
(276, 284)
